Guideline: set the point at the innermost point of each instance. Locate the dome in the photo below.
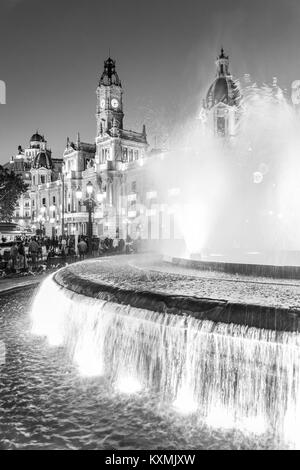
(37, 138)
(223, 90)
(43, 160)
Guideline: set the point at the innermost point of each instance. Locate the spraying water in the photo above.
(226, 375)
(239, 193)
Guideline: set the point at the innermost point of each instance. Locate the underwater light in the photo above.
(185, 402)
(88, 363)
(128, 385)
(254, 425)
(219, 417)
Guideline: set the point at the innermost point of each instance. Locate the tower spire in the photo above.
(222, 64)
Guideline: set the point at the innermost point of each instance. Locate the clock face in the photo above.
(114, 103)
(102, 103)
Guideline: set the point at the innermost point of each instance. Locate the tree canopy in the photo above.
(11, 188)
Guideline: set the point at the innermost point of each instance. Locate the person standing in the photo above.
(33, 249)
(14, 255)
(82, 249)
(63, 246)
(21, 250)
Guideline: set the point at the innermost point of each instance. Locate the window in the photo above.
(33, 179)
(44, 201)
(221, 125)
(32, 202)
(136, 154)
(42, 179)
(133, 186)
(53, 199)
(125, 154)
(130, 155)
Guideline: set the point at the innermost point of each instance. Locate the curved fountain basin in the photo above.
(254, 264)
(199, 355)
(81, 278)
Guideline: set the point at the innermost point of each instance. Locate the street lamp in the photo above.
(89, 203)
(62, 179)
(89, 188)
(78, 193)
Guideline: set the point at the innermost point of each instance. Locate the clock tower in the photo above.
(109, 111)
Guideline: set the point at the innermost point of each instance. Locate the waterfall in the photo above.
(231, 376)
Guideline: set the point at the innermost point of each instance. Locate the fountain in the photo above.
(225, 374)
(231, 364)
(238, 195)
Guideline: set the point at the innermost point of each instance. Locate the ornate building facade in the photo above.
(221, 105)
(39, 171)
(118, 166)
(113, 164)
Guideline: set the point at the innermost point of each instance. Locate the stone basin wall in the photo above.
(218, 311)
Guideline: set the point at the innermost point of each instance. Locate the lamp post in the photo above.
(42, 219)
(89, 203)
(63, 204)
(52, 219)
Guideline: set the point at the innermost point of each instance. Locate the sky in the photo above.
(52, 54)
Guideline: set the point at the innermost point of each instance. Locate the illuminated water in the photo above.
(45, 403)
(224, 378)
(237, 195)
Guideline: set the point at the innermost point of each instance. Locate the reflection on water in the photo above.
(46, 403)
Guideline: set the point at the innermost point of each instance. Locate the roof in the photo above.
(43, 160)
(223, 90)
(37, 138)
(134, 136)
(109, 75)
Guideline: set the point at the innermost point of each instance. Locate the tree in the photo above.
(11, 188)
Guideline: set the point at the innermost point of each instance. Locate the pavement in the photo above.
(11, 283)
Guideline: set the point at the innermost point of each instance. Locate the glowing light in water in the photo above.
(235, 377)
(291, 424)
(128, 385)
(47, 313)
(254, 425)
(219, 417)
(193, 222)
(86, 357)
(185, 402)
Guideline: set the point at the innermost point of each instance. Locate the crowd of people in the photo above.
(37, 252)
